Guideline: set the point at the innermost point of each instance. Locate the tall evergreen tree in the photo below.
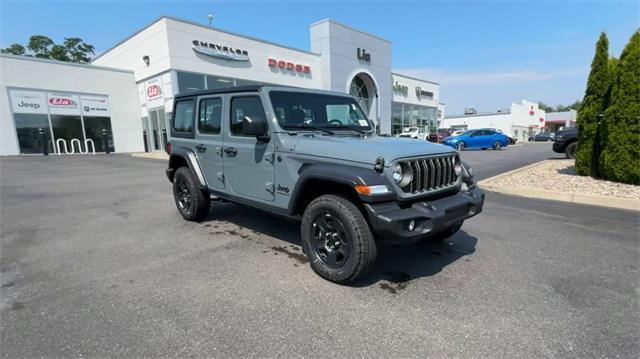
(591, 111)
(620, 158)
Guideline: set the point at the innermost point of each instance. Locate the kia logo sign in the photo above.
(154, 91)
(57, 101)
(290, 66)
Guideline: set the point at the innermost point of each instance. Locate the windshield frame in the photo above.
(370, 128)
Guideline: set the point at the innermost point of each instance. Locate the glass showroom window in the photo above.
(93, 127)
(28, 130)
(68, 128)
(189, 82)
(216, 82)
(396, 118)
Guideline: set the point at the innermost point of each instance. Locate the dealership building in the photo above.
(123, 100)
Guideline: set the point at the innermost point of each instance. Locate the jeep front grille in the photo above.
(431, 173)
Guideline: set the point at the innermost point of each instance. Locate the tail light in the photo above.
(168, 147)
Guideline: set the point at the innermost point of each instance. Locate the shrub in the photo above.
(620, 158)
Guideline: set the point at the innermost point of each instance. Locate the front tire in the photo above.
(460, 146)
(570, 151)
(192, 203)
(337, 240)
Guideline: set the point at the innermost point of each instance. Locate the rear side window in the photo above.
(210, 115)
(249, 106)
(183, 118)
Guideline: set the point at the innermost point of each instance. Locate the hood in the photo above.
(366, 150)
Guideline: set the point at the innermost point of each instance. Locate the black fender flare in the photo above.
(183, 154)
(340, 174)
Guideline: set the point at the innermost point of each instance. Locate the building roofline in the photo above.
(415, 78)
(350, 28)
(205, 27)
(478, 115)
(64, 63)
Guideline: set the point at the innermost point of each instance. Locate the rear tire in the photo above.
(570, 151)
(192, 203)
(497, 146)
(337, 240)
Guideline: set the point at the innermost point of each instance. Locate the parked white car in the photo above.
(457, 133)
(414, 132)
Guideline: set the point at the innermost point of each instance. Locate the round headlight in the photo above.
(397, 173)
(401, 174)
(457, 166)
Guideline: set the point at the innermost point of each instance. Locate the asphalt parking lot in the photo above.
(96, 261)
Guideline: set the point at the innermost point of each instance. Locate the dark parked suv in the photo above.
(566, 142)
(314, 156)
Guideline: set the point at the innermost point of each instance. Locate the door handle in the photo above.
(201, 148)
(230, 151)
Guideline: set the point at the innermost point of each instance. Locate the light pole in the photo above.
(210, 16)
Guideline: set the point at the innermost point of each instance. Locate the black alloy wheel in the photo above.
(330, 240)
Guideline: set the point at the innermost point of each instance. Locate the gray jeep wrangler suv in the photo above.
(314, 156)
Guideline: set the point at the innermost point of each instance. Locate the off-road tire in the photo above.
(361, 243)
(447, 233)
(198, 205)
(570, 151)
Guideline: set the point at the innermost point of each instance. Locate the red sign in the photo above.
(58, 101)
(286, 65)
(541, 119)
(154, 91)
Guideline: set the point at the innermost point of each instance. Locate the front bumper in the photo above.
(391, 222)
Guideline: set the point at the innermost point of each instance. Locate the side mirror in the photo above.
(254, 126)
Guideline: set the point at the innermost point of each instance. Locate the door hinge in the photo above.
(220, 176)
(219, 151)
(269, 187)
(268, 156)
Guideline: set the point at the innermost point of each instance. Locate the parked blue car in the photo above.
(481, 138)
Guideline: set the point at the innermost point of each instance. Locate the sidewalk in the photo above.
(157, 155)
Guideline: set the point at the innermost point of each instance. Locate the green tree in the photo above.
(40, 46)
(592, 111)
(78, 50)
(14, 49)
(73, 49)
(620, 158)
(544, 107)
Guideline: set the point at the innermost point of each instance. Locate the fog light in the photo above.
(412, 225)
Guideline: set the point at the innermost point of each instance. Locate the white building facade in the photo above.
(67, 106)
(172, 56)
(521, 120)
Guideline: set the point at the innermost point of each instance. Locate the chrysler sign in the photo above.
(220, 51)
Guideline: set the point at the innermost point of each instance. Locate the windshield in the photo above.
(296, 110)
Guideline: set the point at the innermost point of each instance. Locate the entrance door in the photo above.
(208, 147)
(157, 130)
(248, 163)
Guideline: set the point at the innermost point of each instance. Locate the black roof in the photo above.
(247, 88)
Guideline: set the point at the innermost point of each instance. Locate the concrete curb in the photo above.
(594, 200)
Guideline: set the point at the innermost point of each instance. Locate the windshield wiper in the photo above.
(307, 127)
(348, 128)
